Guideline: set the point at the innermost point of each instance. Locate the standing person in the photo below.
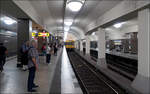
(55, 49)
(48, 54)
(3, 52)
(33, 59)
(24, 56)
(44, 49)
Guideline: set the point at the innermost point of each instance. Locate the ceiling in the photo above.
(53, 13)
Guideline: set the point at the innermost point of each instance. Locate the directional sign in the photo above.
(41, 34)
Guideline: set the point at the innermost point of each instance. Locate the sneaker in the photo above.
(35, 86)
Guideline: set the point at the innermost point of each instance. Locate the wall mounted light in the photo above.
(75, 5)
(8, 20)
(118, 25)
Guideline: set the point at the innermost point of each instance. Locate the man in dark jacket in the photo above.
(3, 52)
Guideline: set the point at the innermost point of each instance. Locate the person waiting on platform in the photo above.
(33, 59)
(55, 49)
(3, 52)
(24, 55)
(48, 53)
(44, 49)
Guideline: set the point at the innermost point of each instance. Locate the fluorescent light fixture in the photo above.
(93, 33)
(107, 29)
(118, 25)
(66, 28)
(68, 22)
(75, 5)
(8, 20)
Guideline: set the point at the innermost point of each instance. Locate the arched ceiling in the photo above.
(53, 12)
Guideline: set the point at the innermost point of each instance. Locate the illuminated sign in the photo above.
(41, 34)
(33, 34)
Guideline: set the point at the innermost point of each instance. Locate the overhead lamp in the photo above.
(68, 22)
(118, 25)
(66, 28)
(107, 29)
(93, 33)
(75, 5)
(8, 20)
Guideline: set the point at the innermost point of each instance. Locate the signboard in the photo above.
(40, 34)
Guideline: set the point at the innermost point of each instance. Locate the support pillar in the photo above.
(81, 46)
(87, 45)
(24, 33)
(142, 81)
(101, 48)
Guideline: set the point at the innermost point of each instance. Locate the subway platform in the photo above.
(56, 77)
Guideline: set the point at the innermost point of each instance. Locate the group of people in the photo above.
(29, 59)
(50, 49)
(3, 53)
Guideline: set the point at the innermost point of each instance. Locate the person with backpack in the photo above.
(24, 55)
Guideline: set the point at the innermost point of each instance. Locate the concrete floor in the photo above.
(14, 80)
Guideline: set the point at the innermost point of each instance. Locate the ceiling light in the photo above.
(67, 28)
(107, 29)
(68, 22)
(8, 20)
(93, 33)
(118, 25)
(75, 5)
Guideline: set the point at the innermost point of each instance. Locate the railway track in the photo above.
(91, 80)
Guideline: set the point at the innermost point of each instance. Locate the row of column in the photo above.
(142, 80)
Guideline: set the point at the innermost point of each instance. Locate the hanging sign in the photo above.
(41, 34)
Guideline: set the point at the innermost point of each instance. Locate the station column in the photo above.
(81, 46)
(24, 33)
(87, 45)
(75, 43)
(101, 48)
(142, 80)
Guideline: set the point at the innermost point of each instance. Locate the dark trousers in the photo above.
(2, 62)
(31, 78)
(48, 57)
(55, 52)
